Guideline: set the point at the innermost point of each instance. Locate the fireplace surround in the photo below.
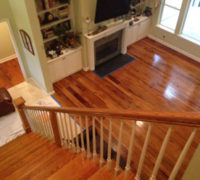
(106, 43)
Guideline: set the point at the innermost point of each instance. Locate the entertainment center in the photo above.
(58, 21)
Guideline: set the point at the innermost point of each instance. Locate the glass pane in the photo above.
(169, 17)
(174, 3)
(192, 23)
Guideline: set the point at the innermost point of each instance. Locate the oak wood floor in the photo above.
(160, 79)
(31, 156)
(10, 74)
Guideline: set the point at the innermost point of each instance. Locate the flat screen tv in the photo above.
(107, 9)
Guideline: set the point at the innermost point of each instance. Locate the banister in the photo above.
(176, 118)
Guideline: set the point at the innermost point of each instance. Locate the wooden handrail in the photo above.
(175, 118)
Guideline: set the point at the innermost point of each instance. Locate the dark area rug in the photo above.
(113, 64)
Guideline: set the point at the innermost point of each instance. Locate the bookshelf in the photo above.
(57, 26)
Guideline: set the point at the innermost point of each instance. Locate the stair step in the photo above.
(104, 173)
(15, 145)
(122, 176)
(77, 169)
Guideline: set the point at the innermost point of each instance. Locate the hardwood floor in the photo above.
(10, 74)
(160, 79)
(31, 156)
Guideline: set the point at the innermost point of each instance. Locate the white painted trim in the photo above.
(86, 69)
(51, 93)
(8, 58)
(175, 48)
(33, 81)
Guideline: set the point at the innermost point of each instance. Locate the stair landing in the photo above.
(33, 157)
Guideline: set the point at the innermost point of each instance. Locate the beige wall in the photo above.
(6, 15)
(6, 46)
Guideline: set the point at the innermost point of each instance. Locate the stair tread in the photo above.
(78, 169)
(29, 159)
(104, 173)
(52, 168)
(122, 177)
(23, 152)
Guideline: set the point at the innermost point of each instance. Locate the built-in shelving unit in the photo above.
(56, 25)
(61, 44)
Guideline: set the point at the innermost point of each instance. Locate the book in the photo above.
(43, 3)
(47, 4)
(50, 3)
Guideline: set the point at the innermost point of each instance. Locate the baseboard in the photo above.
(86, 69)
(51, 93)
(175, 48)
(8, 58)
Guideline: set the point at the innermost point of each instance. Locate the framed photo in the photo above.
(26, 41)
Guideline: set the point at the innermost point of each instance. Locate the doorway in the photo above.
(10, 71)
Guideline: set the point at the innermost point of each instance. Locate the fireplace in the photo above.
(106, 44)
(107, 47)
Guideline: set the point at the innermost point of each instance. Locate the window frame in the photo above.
(163, 4)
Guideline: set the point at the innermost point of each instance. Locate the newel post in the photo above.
(19, 103)
(54, 125)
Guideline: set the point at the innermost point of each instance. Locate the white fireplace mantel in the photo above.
(90, 40)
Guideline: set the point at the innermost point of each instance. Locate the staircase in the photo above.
(34, 157)
(78, 143)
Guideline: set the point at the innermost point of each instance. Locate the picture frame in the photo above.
(27, 41)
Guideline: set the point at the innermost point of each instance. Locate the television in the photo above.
(107, 9)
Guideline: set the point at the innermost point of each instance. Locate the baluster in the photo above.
(109, 145)
(47, 121)
(76, 132)
(63, 129)
(38, 123)
(71, 132)
(142, 156)
(82, 140)
(182, 155)
(60, 127)
(119, 148)
(94, 140)
(160, 155)
(42, 122)
(88, 138)
(33, 121)
(101, 144)
(49, 125)
(67, 131)
(130, 151)
(55, 128)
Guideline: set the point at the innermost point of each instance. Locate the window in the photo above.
(170, 13)
(191, 27)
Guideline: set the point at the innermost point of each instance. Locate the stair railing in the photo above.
(65, 127)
